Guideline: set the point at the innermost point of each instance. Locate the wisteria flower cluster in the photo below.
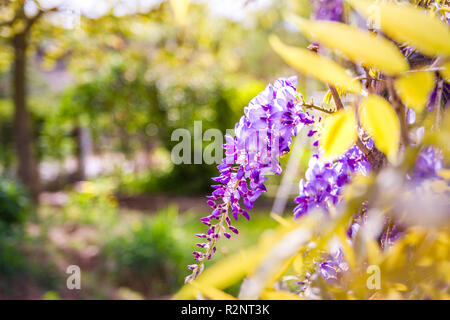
(428, 163)
(324, 181)
(263, 134)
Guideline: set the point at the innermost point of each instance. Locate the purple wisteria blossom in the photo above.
(328, 10)
(263, 134)
(333, 266)
(428, 163)
(324, 182)
(392, 231)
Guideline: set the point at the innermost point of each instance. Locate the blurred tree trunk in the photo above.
(84, 151)
(23, 136)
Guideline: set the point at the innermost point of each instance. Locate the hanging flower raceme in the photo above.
(324, 182)
(262, 135)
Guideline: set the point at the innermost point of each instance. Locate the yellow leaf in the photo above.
(445, 174)
(298, 263)
(282, 221)
(313, 64)
(400, 287)
(338, 134)
(439, 186)
(357, 45)
(373, 252)
(213, 293)
(381, 122)
(414, 88)
(406, 23)
(445, 72)
(180, 10)
(223, 273)
(347, 248)
(284, 267)
(233, 268)
(279, 295)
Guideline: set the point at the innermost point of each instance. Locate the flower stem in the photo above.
(313, 106)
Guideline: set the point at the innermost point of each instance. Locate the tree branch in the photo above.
(31, 21)
(400, 109)
(336, 97)
(376, 158)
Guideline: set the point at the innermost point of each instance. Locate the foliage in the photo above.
(372, 220)
(91, 203)
(381, 122)
(151, 254)
(14, 203)
(337, 133)
(320, 67)
(15, 211)
(358, 45)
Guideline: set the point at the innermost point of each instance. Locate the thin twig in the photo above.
(400, 109)
(336, 97)
(437, 104)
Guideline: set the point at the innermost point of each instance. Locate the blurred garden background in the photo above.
(90, 92)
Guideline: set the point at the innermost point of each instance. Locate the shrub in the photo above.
(91, 203)
(14, 203)
(150, 255)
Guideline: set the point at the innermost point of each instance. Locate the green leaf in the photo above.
(223, 273)
(357, 45)
(406, 23)
(338, 134)
(279, 295)
(313, 64)
(379, 119)
(414, 88)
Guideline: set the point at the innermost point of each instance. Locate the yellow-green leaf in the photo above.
(380, 120)
(213, 293)
(357, 45)
(180, 11)
(406, 23)
(313, 64)
(279, 295)
(347, 248)
(414, 88)
(298, 263)
(338, 134)
(445, 72)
